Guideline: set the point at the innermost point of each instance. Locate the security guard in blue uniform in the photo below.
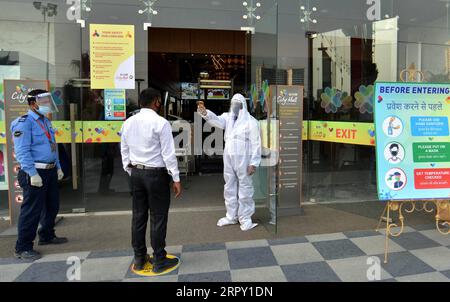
(36, 150)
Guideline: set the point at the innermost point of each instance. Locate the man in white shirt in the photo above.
(148, 156)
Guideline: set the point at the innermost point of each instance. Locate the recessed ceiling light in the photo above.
(215, 3)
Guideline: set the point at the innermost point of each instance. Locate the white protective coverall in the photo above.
(242, 149)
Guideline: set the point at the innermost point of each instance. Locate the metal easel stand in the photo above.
(415, 206)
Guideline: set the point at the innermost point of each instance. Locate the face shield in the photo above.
(235, 107)
(46, 103)
(238, 106)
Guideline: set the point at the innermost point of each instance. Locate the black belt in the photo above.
(142, 167)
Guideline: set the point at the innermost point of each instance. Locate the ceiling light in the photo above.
(251, 14)
(306, 15)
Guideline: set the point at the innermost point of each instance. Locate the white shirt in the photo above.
(147, 140)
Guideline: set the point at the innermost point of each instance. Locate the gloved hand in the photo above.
(36, 181)
(60, 174)
(201, 108)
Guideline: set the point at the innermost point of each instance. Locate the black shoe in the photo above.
(55, 240)
(139, 263)
(30, 255)
(165, 265)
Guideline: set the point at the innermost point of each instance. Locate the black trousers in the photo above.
(151, 193)
(40, 205)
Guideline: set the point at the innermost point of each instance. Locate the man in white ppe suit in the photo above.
(241, 156)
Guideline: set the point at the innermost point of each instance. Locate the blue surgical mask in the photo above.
(44, 110)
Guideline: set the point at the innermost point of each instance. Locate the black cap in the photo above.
(31, 97)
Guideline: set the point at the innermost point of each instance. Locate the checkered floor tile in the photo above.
(420, 254)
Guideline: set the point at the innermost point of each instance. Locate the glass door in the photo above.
(54, 57)
(107, 46)
(262, 26)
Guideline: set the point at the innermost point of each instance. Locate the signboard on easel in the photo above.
(412, 140)
(412, 150)
(16, 105)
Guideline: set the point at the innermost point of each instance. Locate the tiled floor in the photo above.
(420, 254)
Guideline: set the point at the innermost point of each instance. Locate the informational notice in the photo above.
(412, 140)
(16, 105)
(290, 113)
(112, 56)
(9, 72)
(115, 104)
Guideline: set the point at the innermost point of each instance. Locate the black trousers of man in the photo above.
(40, 206)
(151, 193)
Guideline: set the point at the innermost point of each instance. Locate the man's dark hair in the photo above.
(31, 97)
(148, 96)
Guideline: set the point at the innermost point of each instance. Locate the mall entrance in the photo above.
(187, 60)
(335, 50)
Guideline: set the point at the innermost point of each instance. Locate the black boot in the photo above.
(30, 255)
(54, 240)
(139, 263)
(164, 265)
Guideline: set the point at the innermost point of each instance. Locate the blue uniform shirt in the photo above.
(31, 144)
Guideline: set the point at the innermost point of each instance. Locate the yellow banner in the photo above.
(112, 56)
(101, 132)
(84, 132)
(88, 132)
(342, 132)
(63, 131)
(2, 133)
(305, 131)
(109, 132)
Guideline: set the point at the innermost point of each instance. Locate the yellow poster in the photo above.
(112, 56)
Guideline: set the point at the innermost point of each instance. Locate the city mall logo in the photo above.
(20, 94)
(96, 34)
(285, 98)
